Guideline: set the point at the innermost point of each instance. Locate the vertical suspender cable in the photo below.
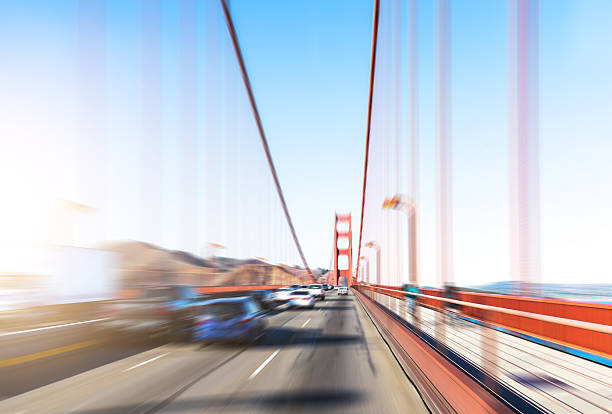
(369, 120)
(264, 142)
(396, 40)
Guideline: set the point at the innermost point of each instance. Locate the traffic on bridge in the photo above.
(369, 206)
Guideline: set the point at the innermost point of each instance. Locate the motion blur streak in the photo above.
(159, 160)
(50, 352)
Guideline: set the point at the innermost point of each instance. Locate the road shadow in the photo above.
(285, 337)
(317, 307)
(335, 308)
(317, 399)
(338, 299)
(275, 311)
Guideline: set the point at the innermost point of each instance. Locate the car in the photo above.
(295, 287)
(328, 287)
(317, 291)
(342, 290)
(301, 299)
(157, 310)
(264, 298)
(281, 295)
(236, 319)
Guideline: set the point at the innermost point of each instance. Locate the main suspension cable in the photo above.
(262, 135)
(368, 125)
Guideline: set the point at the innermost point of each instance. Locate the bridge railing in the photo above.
(585, 326)
(514, 352)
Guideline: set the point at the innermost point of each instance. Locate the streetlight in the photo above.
(264, 260)
(367, 278)
(406, 204)
(377, 247)
(73, 208)
(215, 247)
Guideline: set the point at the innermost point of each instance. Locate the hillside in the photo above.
(583, 292)
(143, 263)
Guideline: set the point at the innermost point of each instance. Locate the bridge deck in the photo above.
(558, 381)
(330, 359)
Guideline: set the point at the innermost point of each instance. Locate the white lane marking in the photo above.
(52, 327)
(145, 362)
(262, 366)
(305, 323)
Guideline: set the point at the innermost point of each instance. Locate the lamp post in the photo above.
(215, 247)
(73, 211)
(367, 272)
(405, 204)
(376, 246)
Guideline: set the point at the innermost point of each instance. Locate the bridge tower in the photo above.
(342, 253)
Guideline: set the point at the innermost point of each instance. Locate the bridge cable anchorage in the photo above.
(368, 123)
(262, 135)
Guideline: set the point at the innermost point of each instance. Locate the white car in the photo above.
(282, 295)
(301, 299)
(318, 291)
(342, 290)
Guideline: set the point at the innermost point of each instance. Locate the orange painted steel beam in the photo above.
(133, 293)
(224, 289)
(444, 387)
(553, 324)
(337, 273)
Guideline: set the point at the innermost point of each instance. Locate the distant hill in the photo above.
(192, 259)
(144, 263)
(229, 263)
(599, 292)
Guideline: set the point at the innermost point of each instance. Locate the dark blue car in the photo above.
(229, 320)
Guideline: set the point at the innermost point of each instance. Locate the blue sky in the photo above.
(308, 61)
(310, 71)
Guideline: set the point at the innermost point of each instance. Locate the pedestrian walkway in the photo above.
(557, 381)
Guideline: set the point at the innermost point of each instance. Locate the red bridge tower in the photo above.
(342, 253)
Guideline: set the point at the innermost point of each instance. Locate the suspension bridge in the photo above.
(158, 138)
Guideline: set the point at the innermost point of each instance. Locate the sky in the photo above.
(73, 126)
(310, 76)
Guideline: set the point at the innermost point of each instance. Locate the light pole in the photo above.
(215, 247)
(72, 208)
(377, 247)
(367, 272)
(405, 204)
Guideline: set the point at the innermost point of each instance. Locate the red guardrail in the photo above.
(574, 332)
(224, 289)
(444, 388)
(132, 293)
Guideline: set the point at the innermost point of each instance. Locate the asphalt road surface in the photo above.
(329, 359)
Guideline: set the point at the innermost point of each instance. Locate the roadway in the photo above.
(329, 359)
